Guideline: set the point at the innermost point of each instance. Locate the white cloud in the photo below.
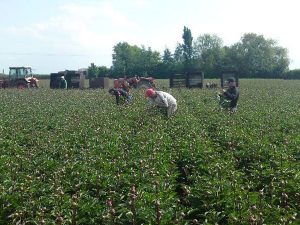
(93, 27)
(89, 27)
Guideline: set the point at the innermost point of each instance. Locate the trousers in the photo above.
(171, 110)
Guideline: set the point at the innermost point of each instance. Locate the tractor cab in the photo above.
(19, 72)
(22, 77)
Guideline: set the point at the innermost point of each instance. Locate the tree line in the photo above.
(253, 56)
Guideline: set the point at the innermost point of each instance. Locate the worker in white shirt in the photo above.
(162, 99)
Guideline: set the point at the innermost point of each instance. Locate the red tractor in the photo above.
(19, 77)
(140, 82)
(134, 82)
(121, 83)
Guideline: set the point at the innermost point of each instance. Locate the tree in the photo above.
(97, 71)
(292, 74)
(167, 57)
(281, 61)
(208, 51)
(121, 58)
(92, 71)
(149, 60)
(187, 47)
(132, 60)
(179, 59)
(103, 71)
(259, 57)
(178, 54)
(167, 66)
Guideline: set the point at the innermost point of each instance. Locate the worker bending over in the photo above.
(120, 93)
(163, 100)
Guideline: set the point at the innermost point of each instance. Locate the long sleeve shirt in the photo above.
(118, 92)
(163, 99)
(232, 94)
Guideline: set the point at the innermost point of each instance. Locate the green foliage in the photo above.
(132, 60)
(253, 56)
(81, 159)
(292, 74)
(103, 71)
(187, 47)
(93, 70)
(97, 71)
(224, 103)
(256, 56)
(209, 53)
(167, 57)
(167, 66)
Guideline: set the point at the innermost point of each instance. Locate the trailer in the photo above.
(75, 79)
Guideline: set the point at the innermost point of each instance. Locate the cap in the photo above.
(150, 93)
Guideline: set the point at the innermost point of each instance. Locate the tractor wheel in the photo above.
(22, 85)
(33, 85)
(144, 84)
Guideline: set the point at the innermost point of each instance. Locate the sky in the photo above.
(55, 35)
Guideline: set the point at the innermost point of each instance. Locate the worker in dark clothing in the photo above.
(120, 93)
(229, 97)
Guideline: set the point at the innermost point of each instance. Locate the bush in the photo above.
(292, 75)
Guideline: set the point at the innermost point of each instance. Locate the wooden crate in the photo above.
(99, 82)
(195, 80)
(178, 80)
(189, 80)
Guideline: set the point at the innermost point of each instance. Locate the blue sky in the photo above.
(54, 35)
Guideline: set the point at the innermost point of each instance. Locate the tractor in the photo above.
(134, 82)
(139, 82)
(121, 83)
(20, 77)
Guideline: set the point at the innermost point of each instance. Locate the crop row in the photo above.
(75, 157)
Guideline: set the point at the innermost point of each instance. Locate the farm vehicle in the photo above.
(74, 78)
(19, 77)
(139, 82)
(134, 82)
